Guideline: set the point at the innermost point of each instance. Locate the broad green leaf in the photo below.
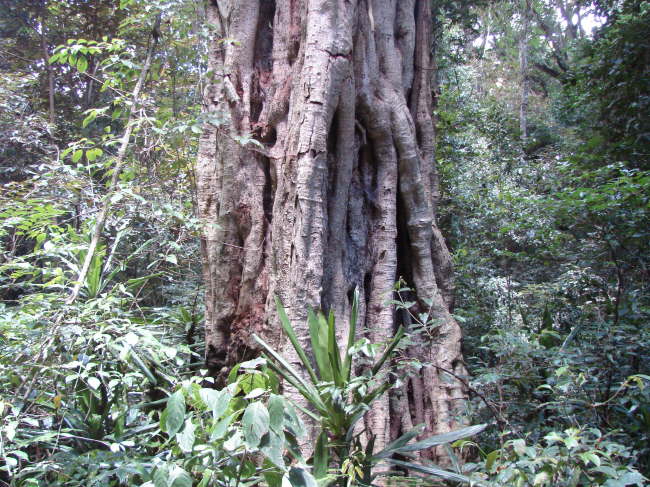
(255, 423)
(94, 382)
(82, 64)
(76, 155)
(93, 154)
(255, 393)
(273, 477)
(632, 478)
(179, 477)
(590, 457)
(542, 478)
(292, 422)
(299, 477)
(250, 381)
(175, 413)
(219, 430)
(519, 445)
(186, 437)
(276, 413)
(272, 445)
(161, 475)
(217, 401)
(234, 442)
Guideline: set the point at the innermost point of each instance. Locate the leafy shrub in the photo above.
(574, 457)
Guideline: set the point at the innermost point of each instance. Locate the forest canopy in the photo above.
(312, 243)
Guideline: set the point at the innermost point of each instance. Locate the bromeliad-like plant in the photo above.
(338, 399)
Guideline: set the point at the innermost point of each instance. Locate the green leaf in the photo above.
(389, 350)
(321, 457)
(255, 423)
(92, 115)
(400, 442)
(94, 382)
(82, 64)
(93, 154)
(276, 413)
(288, 329)
(542, 478)
(219, 430)
(443, 438)
(371, 396)
(289, 373)
(299, 477)
(318, 338)
(207, 476)
(142, 366)
(186, 437)
(590, 457)
(490, 459)
(175, 413)
(432, 470)
(272, 445)
(333, 349)
(352, 331)
(217, 401)
(292, 422)
(179, 477)
(76, 155)
(161, 475)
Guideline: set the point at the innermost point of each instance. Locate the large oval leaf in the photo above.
(255, 423)
(174, 414)
(299, 477)
(217, 401)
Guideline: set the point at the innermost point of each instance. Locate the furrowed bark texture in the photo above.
(342, 195)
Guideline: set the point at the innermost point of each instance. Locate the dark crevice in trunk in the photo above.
(264, 36)
(263, 63)
(268, 191)
(330, 245)
(404, 258)
(367, 281)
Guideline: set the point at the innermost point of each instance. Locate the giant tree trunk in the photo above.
(342, 194)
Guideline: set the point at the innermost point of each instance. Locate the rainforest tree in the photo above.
(316, 175)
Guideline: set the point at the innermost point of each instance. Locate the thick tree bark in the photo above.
(342, 195)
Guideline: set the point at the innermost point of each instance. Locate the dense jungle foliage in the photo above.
(543, 146)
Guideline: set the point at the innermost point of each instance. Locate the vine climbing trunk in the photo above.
(316, 174)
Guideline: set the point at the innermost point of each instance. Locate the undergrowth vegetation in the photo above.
(548, 233)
